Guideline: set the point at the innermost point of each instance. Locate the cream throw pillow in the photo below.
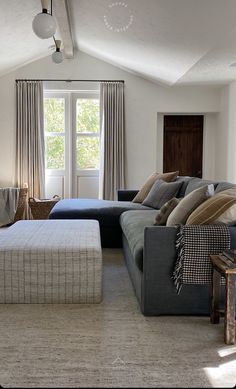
(212, 209)
(188, 204)
(145, 189)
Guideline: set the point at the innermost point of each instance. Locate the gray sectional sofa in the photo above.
(149, 250)
(150, 256)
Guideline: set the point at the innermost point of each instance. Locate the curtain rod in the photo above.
(69, 80)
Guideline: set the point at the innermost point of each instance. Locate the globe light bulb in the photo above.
(57, 57)
(44, 25)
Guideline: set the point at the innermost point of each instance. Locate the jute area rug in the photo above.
(111, 344)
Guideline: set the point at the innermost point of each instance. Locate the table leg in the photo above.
(229, 332)
(215, 295)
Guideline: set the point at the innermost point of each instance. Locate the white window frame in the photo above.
(81, 172)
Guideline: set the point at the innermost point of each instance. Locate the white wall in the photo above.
(143, 100)
(226, 135)
(209, 146)
(7, 129)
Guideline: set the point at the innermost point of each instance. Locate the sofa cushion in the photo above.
(165, 211)
(133, 224)
(224, 186)
(212, 209)
(144, 191)
(185, 180)
(197, 183)
(187, 205)
(107, 212)
(162, 192)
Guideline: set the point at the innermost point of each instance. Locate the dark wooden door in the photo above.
(183, 144)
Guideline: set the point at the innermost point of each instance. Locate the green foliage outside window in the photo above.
(54, 113)
(55, 152)
(88, 152)
(87, 147)
(87, 121)
(87, 111)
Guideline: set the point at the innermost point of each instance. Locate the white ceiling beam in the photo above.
(61, 14)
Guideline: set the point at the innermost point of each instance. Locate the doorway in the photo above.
(183, 144)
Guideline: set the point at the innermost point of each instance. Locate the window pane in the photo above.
(87, 115)
(55, 152)
(87, 153)
(54, 114)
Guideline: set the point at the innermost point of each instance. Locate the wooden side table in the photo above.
(227, 269)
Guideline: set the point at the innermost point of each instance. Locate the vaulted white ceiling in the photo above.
(18, 44)
(167, 41)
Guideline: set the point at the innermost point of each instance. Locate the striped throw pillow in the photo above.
(212, 209)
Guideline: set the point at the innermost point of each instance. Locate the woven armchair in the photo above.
(22, 204)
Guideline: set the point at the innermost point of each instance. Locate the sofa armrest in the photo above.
(159, 253)
(126, 194)
(159, 257)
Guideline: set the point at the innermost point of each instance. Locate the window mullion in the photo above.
(55, 134)
(88, 135)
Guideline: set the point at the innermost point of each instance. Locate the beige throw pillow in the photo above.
(212, 209)
(165, 211)
(188, 204)
(144, 191)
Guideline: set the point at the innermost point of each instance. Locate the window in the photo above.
(87, 134)
(54, 126)
(72, 143)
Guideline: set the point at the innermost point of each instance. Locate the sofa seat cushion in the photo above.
(107, 212)
(133, 224)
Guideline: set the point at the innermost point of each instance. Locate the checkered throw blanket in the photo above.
(194, 245)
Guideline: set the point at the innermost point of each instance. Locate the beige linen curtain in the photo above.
(30, 165)
(112, 139)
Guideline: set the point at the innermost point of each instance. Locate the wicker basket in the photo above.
(40, 209)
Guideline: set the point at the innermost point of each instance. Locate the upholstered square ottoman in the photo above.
(51, 261)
